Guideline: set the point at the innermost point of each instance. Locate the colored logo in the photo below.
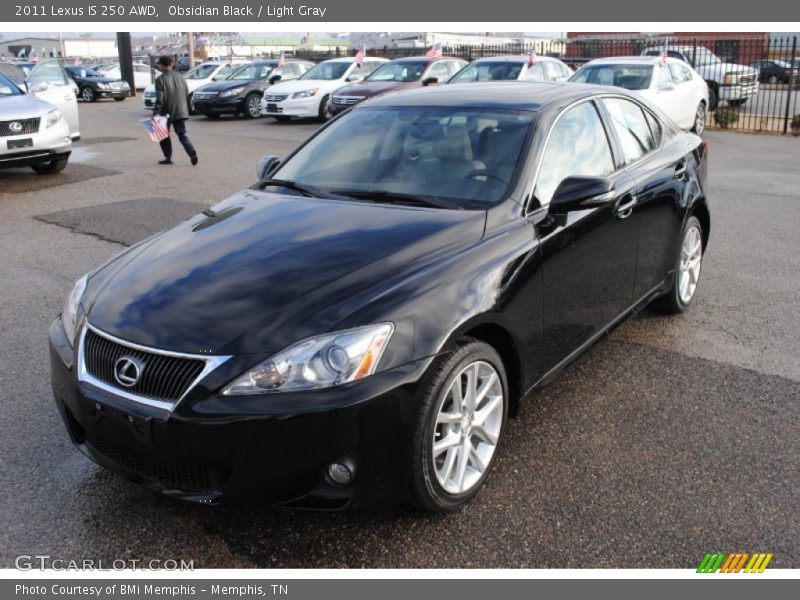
(734, 563)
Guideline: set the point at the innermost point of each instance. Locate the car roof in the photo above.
(351, 59)
(621, 60)
(427, 58)
(514, 58)
(518, 95)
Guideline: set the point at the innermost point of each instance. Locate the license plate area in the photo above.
(272, 107)
(22, 143)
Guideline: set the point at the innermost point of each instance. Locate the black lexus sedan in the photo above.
(93, 86)
(357, 327)
(241, 91)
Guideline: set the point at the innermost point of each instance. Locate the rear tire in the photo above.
(51, 167)
(712, 96)
(322, 113)
(700, 119)
(772, 79)
(120, 99)
(737, 102)
(688, 263)
(458, 431)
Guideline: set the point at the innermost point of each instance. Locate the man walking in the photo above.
(171, 95)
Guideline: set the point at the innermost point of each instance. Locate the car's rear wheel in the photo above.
(50, 167)
(687, 271)
(737, 102)
(120, 99)
(459, 427)
(88, 94)
(252, 106)
(772, 79)
(700, 119)
(322, 113)
(712, 96)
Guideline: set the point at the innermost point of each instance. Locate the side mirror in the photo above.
(217, 78)
(580, 193)
(267, 166)
(274, 78)
(430, 80)
(353, 78)
(667, 86)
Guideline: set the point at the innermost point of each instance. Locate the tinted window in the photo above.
(630, 77)
(252, 71)
(578, 145)
(400, 72)
(655, 127)
(631, 127)
(489, 71)
(329, 71)
(466, 155)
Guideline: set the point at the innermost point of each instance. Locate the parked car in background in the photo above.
(400, 74)
(726, 81)
(15, 73)
(242, 90)
(674, 87)
(358, 326)
(775, 71)
(94, 86)
(308, 95)
(513, 68)
(49, 81)
(143, 75)
(207, 72)
(33, 133)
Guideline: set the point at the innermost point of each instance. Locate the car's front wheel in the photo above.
(88, 94)
(459, 427)
(120, 99)
(772, 79)
(252, 106)
(687, 271)
(322, 113)
(50, 167)
(700, 119)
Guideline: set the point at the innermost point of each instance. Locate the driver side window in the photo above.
(578, 146)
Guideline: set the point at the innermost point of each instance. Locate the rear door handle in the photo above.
(680, 170)
(625, 206)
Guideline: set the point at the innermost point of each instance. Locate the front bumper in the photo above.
(112, 93)
(738, 92)
(218, 105)
(292, 107)
(45, 145)
(247, 450)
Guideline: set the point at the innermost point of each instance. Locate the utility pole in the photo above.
(126, 59)
(190, 44)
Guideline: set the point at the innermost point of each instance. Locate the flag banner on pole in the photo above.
(362, 52)
(156, 128)
(531, 57)
(435, 51)
(664, 53)
(281, 61)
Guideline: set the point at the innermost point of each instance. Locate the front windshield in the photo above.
(488, 71)
(83, 72)
(468, 156)
(201, 72)
(630, 77)
(327, 71)
(8, 87)
(783, 64)
(400, 72)
(252, 71)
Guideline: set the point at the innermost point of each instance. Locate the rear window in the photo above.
(630, 77)
(488, 71)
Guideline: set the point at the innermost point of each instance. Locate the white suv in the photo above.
(726, 81)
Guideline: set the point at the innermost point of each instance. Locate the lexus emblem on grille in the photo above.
(127, 371)
(15, 126)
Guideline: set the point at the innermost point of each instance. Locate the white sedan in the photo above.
(308, 95)
(142, 76)
(671, 85)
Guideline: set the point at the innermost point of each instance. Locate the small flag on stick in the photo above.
(156, 128)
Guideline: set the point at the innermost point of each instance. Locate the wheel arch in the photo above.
(700, 210)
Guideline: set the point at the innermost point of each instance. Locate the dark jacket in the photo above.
(171, 94)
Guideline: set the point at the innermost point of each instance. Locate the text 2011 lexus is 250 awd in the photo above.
(357, 327)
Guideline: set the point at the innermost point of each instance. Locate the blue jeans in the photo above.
(179, 125)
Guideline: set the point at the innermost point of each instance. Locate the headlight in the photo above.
(305, 93)
(69, 313)
(731, 79)
(102, 86)
(317, 362)
(52, 118)
(233, 92)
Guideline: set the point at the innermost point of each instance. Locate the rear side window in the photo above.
(578, 145)
(655, 127)
(631, 127)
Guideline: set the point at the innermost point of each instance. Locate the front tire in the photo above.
(687, 271)
(323, 114)
(712, 96)
(737, 102)
(88, 94)
(51, 167)
(700, 119)
(459, 427)
(772, 79)
(252, 106)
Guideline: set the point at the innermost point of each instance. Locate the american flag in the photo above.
(435, 51)
(360, 55)
(156, 128)
(531, 57)
(231, 59)
(281, 61)
(662, 62)
(77, 61)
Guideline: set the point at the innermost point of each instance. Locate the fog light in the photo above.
(340, 474)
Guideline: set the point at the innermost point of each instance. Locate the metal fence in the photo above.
(753, 79)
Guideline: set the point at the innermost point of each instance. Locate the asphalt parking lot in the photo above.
(675, 437)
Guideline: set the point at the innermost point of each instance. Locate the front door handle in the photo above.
(625, 206)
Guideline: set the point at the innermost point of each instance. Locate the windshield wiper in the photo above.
(306, 190)
(399, 198)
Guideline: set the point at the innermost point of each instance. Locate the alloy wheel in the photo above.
(700, 119)
(467, 428)
(87, 94)
(691, 260)
(254, 107)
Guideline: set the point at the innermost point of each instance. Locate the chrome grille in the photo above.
(28, 126)
(118, 85)
(149, 94)
(163, 377)
(275, 97)
(205, 95)
(748, 79)
(347, 100)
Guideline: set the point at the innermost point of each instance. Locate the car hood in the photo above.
(101, 79)
(274, 270)
(221, 86)
(373, 88)
(23, 107)
(298, 85)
